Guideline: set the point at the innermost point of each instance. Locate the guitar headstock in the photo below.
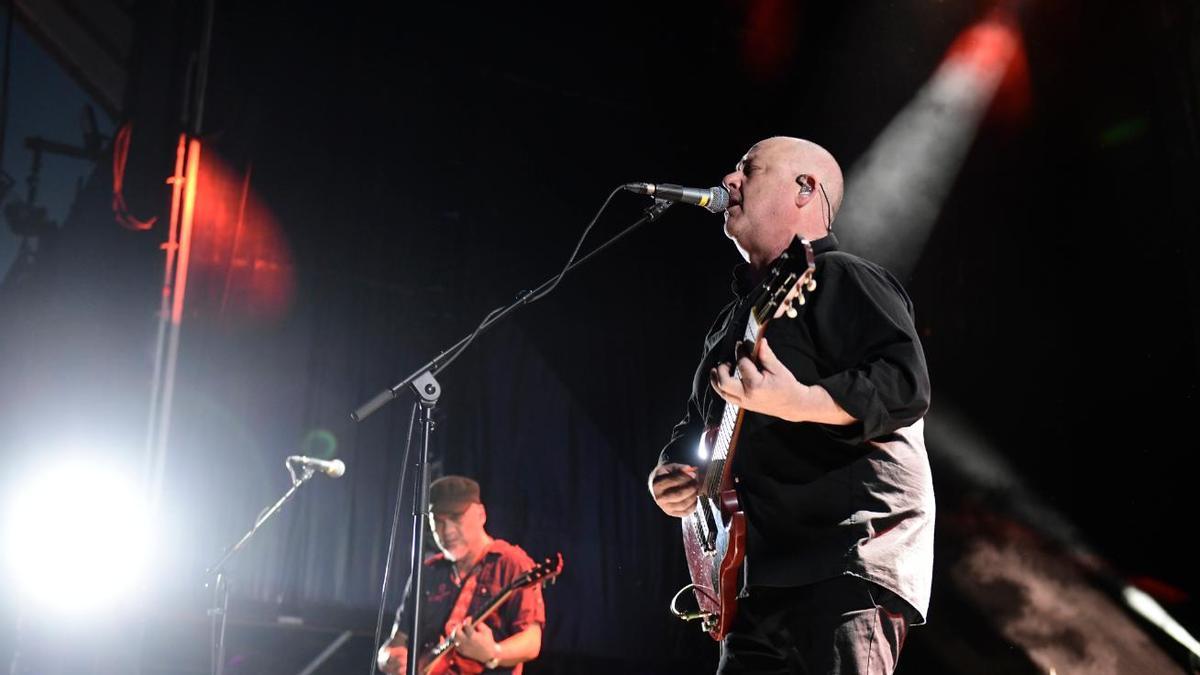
(784, 288)
(541, 573)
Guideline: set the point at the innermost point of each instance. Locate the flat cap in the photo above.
(452, 494)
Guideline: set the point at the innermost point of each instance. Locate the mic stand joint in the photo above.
(657, 208)
(299, 476)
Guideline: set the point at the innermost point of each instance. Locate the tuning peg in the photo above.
(810, 285)
(791, 311)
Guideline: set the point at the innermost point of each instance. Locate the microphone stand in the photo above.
(428, 390)
(219, 612)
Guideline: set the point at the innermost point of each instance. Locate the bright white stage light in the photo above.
(76, 537)
(1152, 611)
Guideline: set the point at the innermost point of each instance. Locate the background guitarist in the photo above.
(830, 464)
(472, 560)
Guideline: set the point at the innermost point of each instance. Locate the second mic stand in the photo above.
(219, 612)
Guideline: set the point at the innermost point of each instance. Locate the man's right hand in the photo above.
(393, 660)
(674, 487)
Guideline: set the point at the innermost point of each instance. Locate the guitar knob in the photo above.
(791, 311)
(810, 285)
(800, 299)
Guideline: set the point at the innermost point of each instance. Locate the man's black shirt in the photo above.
(824, 500)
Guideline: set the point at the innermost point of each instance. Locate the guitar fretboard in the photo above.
(729, 418)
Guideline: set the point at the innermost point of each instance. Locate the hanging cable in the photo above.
(120, 158)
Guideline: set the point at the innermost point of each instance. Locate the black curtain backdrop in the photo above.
(426, 164)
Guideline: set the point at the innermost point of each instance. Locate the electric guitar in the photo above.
(714, 534)
(442, 657)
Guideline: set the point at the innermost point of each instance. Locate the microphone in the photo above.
(715, 199)
(332, 468)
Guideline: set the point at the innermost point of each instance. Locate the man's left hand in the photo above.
(475, 641)
(766, 387)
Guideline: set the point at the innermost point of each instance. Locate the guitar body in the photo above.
(715, 567)
(449, 662)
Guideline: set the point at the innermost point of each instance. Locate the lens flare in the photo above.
(319, 443)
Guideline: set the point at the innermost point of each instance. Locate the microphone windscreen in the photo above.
(336, 468)
(720, 200)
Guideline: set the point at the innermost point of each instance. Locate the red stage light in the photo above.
(241, 264)
(769, 37)
(994, 50)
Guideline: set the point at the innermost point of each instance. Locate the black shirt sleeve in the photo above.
(863, 324)
(685, 438)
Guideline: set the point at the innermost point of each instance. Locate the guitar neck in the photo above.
(492, 606)
(721, 453)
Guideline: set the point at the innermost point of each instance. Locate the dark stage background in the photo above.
(413, 167)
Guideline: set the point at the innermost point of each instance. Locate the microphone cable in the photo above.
(529, 297)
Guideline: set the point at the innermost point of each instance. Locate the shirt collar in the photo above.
(742, 283)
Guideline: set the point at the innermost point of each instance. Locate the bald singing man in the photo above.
(830, 464)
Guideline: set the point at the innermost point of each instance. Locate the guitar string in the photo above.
(721, 444)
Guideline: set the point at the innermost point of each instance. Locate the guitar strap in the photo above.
(463, 603)
(724, 351)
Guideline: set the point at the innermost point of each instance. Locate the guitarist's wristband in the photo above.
(495, 660)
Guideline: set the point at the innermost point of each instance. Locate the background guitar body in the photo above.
(441, 658)
(450, 663)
